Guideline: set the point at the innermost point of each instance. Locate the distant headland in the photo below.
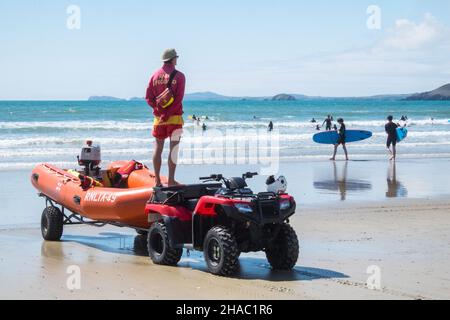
(442, 93)
(284, 97)
(105, 98)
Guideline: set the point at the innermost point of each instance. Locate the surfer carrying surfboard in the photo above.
(341, 140)
(391, 143)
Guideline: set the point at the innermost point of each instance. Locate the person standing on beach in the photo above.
(270, 126)
(328, 122)
(391, 130)
(341, 140)
(165, 94)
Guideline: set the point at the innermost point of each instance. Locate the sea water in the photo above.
(54, 131)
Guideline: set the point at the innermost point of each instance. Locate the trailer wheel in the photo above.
(52, 221)
(159, 248)
(283, 253)
(221, 251)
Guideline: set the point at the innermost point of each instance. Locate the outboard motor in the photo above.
(90, 159)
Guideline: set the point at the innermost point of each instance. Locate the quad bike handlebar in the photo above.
(249, 175)
(229, 183)
(220, 177)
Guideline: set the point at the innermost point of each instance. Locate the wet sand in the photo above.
(313, 184)
(409, 240)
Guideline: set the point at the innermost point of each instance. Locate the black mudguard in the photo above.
(179, 232)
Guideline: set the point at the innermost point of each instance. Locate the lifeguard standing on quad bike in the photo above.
(165, 93)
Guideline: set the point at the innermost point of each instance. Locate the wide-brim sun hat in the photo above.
(169, 54)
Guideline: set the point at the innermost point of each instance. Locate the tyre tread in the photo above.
(230, 248)
(287, 258)
(172, 255)
(55, 225)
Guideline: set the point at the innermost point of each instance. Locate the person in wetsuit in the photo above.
(270, 128)
(341, 140)
(328, 122)
(391, 143)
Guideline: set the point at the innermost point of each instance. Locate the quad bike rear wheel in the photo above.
(140, 245)
(52, 221)
(159, 248)
(283, 252)
(142, 232)
(221, 251)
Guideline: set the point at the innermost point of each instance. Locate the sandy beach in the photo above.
(408, 240)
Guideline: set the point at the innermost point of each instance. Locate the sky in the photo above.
(233, 47)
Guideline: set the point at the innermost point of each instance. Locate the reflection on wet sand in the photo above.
(341, 184)
(395, 189)
(113, 242)
(251, 266)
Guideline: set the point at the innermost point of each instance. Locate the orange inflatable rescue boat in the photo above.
(93, 196)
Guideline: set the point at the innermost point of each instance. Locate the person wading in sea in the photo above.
(328, 122)
(165, 93)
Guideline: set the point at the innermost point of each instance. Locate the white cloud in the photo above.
(408, 35)
(411, 57)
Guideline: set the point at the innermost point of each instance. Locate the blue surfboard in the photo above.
(402, 133)
(332, 137)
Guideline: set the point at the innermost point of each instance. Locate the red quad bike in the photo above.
(221, 217)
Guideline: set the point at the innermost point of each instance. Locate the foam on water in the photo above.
(54, 131)
(145, 126)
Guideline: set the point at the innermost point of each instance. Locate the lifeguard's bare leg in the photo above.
(173, 160)
(157, 153)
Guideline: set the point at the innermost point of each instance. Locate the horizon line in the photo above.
(215, 93)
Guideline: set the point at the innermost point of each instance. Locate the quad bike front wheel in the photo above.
(221, 251)
(52, 221)
(159, 248)
(283, 252)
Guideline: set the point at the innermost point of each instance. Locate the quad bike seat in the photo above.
(186, 195)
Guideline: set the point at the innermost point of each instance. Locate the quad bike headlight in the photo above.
(244, 208)
(284, 205)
